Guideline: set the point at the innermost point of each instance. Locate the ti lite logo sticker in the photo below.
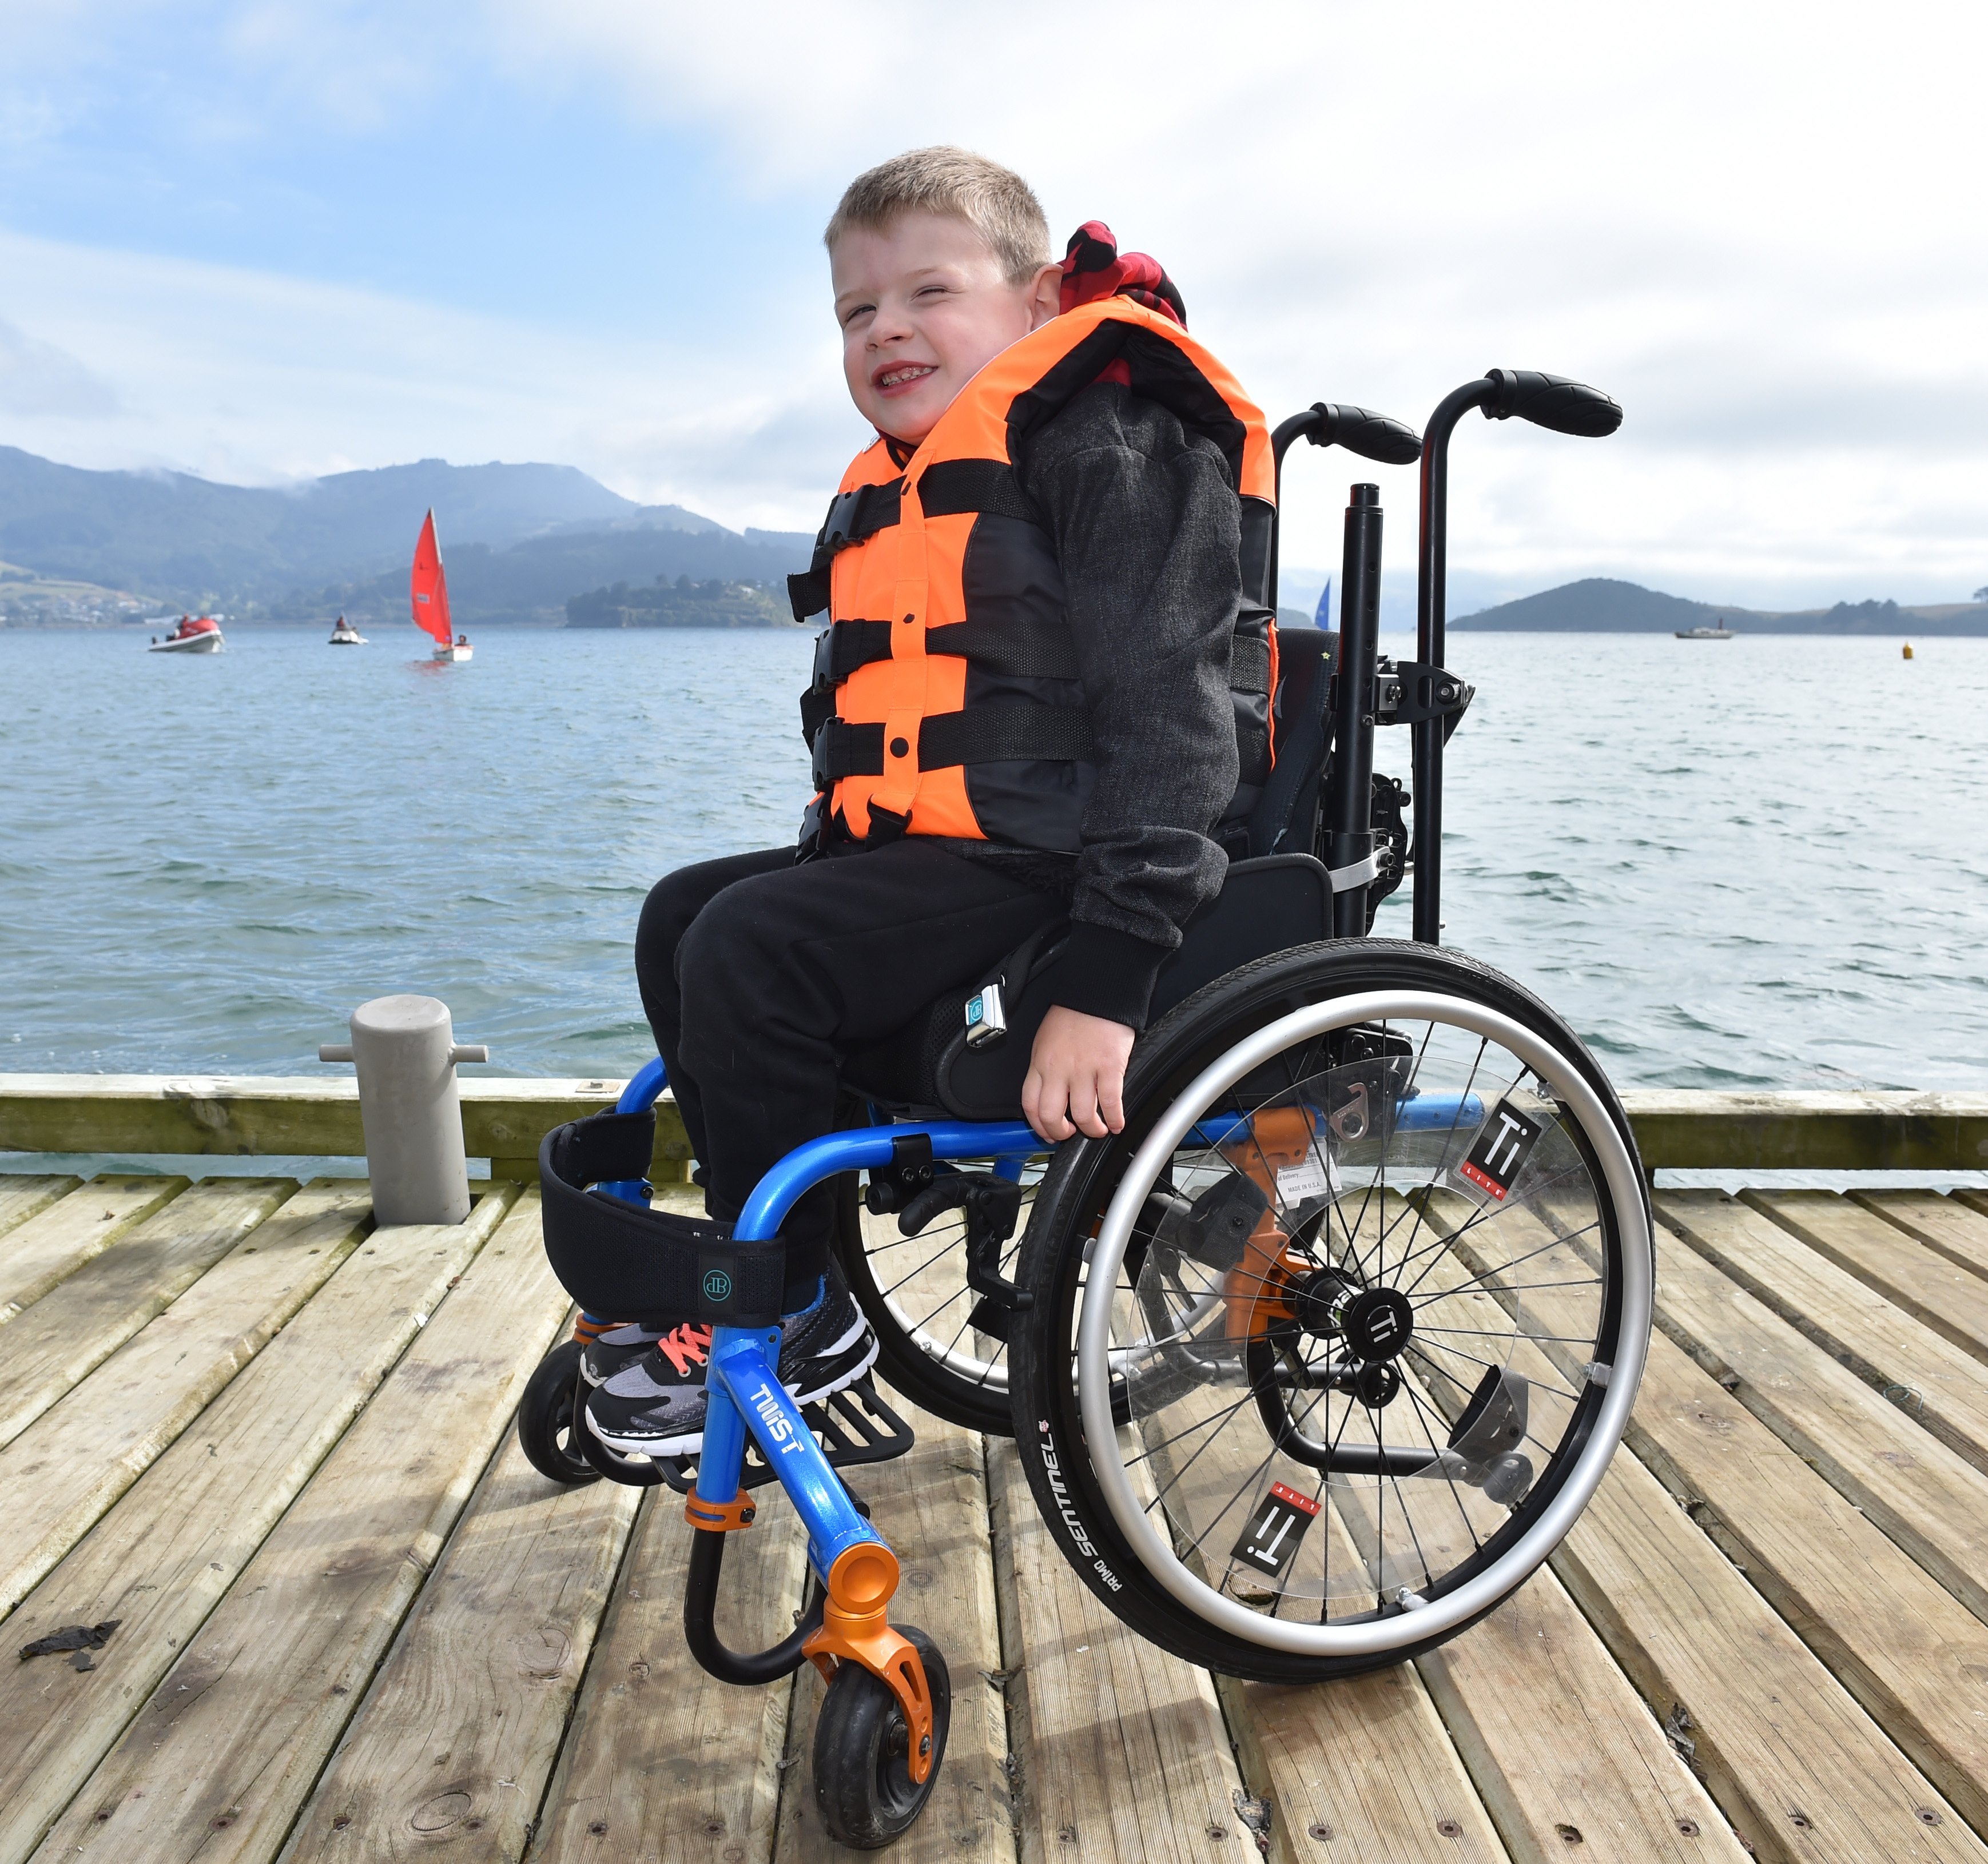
(1499, 1152)
(1270, 1542)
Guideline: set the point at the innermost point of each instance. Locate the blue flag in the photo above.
(1322, 618)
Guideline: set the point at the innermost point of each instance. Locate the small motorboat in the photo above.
(343, 634)
(1718, 631)
(195, 634)
(429, 593)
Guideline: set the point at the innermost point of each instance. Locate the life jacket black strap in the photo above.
(1039, 654)
(854, 517)
(948, 488)
(618, 1259)
(994, 733)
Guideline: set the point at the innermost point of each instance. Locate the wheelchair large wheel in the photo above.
(1332, 1345)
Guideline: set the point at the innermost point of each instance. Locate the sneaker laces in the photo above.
(688, 1345)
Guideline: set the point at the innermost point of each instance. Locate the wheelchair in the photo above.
(1310, 1367)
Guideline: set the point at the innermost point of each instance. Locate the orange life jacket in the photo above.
(947, 698)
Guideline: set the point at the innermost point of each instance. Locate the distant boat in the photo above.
(430, 594)
(343, 634)
(195, 634)
(1719, 631)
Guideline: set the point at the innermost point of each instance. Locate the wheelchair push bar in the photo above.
(1547, 401)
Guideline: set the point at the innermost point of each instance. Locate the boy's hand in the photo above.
(1076, 1075)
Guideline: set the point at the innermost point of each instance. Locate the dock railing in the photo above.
(503, 1120)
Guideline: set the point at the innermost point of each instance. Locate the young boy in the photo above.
(1034, 701)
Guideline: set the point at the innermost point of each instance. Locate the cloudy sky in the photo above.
(265, 241)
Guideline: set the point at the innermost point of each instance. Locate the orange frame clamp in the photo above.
(720, 1517)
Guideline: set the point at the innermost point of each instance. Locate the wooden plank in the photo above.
(1803, 1772)
(1563, 1748)
(1942, 1385)
(1358, 1771)
(664, 1763)
(288, 1115)
(932, 1507)
(448, 1755)
(283, 1115)
(58, 1241)
(24, 1194)
(79, 1324)
(1921, 1494)
(68, 1466)
(1974, 1199)
(1913, 1657)
(1934, 1291)
(179, 1538)
(1121, 1751)
(1955, 1229)
(1810, 1131)
(222, 1758)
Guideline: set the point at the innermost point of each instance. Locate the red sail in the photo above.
(430, 589)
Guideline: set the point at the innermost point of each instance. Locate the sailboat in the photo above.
(429, 597)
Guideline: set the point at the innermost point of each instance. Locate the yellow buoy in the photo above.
(1908, 650)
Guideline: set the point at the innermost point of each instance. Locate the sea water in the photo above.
(1750, 863)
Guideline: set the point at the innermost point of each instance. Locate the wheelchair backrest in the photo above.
(1284, 819)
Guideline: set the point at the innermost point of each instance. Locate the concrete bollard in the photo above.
(406, 1054)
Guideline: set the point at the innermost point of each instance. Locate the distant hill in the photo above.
(533, 581)
(1602, 605)
(518, 540)
(680, 604)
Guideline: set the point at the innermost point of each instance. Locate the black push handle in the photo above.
(1551, 401)
(1361, 430)
(1333, 423)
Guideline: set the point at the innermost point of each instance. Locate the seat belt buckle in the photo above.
(845, 512)
(986, 1017)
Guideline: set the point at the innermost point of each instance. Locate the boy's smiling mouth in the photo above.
(902, 375)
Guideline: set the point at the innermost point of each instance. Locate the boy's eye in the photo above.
(854, 312)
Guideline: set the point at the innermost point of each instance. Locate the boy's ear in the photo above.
(1045, 295)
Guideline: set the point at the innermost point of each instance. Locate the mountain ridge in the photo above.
(280, 552)
(1608, 605)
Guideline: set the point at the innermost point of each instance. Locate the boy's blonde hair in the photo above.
(994, 201)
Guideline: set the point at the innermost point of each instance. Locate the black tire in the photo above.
(546, 1420)
(1046, 1404)
(863, 1781)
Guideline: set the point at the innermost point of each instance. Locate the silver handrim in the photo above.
(1414, 1620)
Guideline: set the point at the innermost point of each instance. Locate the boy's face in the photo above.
(923, 306)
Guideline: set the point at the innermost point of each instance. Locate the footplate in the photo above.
(853, 1425)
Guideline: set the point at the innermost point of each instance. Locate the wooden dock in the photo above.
(271, 1442)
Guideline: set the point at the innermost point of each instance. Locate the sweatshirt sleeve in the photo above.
(1147, 527)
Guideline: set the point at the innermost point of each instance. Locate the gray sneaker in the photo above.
(654, 1406)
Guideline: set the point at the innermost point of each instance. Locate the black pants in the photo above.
(757, 974)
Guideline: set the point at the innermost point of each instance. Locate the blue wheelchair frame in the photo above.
(743, 1390)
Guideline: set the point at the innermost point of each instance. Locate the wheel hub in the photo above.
(1377, 1322)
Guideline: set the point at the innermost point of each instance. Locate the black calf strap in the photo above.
(622, 1262)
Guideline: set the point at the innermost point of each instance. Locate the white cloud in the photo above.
(1755, 226)
(39, 379)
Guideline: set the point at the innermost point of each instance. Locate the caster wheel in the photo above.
(862, 1758)
(547, 1430)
